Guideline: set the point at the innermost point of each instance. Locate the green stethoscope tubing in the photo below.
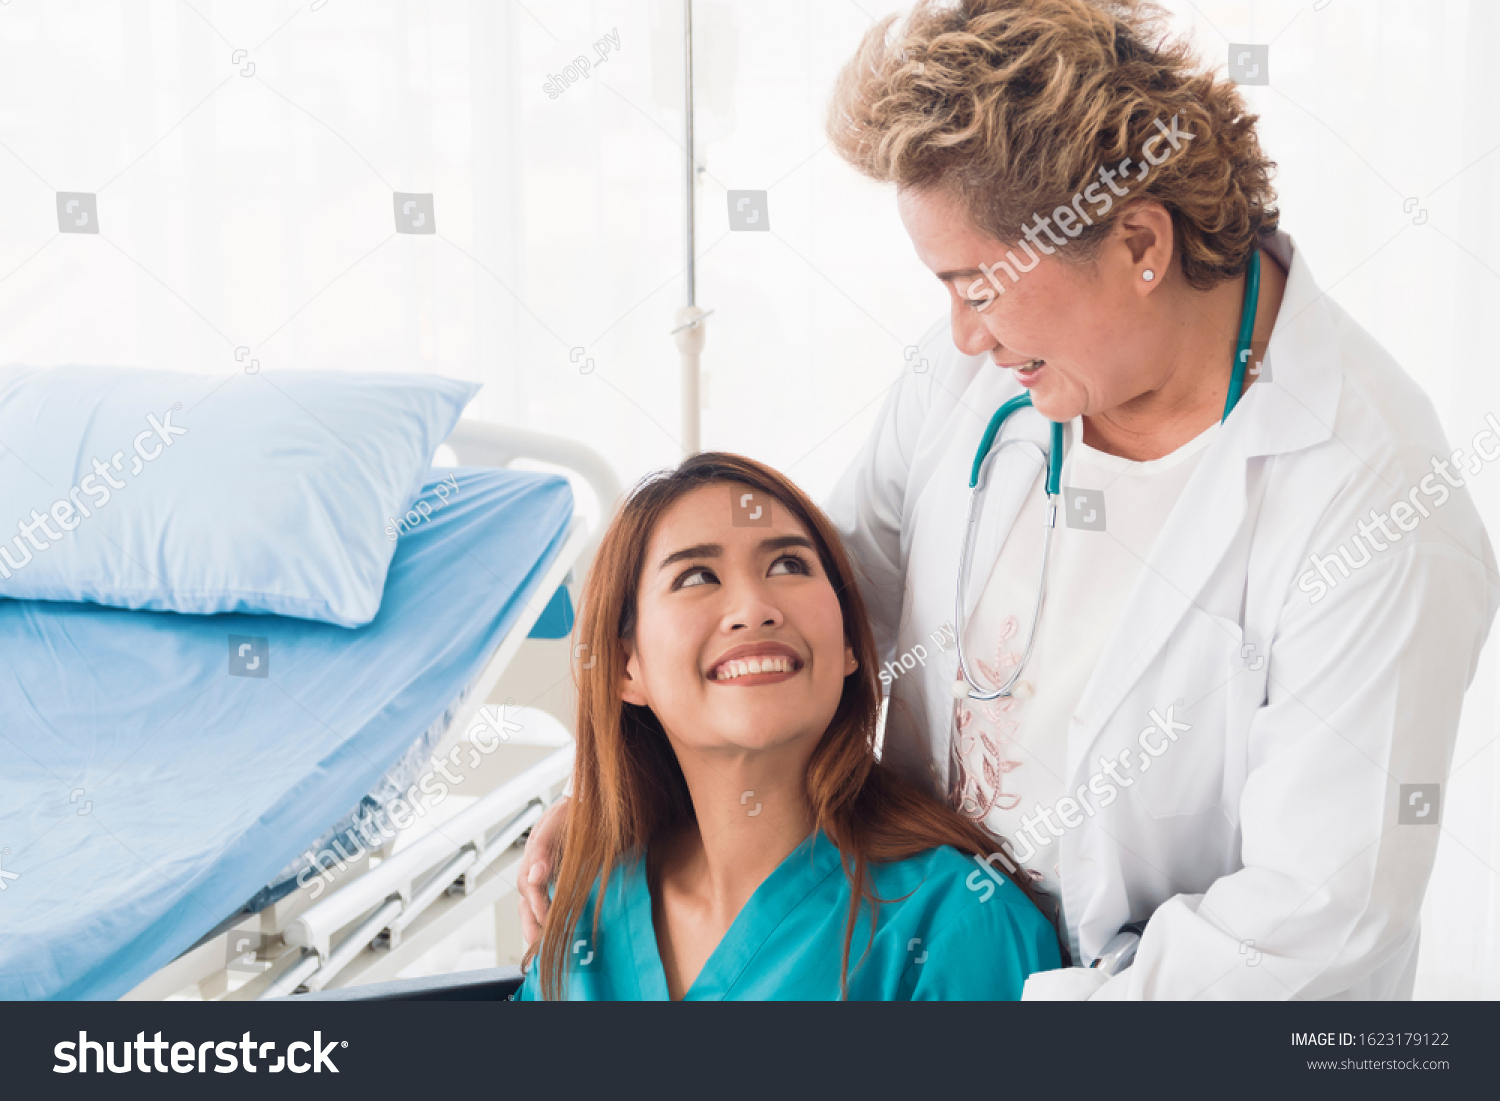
(968, 686)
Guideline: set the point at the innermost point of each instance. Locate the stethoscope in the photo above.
(968, 686)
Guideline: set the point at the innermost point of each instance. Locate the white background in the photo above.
(255, 210)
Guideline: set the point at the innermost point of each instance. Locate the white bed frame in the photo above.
(391, 906)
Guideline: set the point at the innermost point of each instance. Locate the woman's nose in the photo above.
(751, 606)
(970, 336)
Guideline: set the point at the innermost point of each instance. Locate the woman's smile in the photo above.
(753, 664)
(732, 606)
(1028, 374)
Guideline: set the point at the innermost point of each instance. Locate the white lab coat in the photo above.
(1263, 842)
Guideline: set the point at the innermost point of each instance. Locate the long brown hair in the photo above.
(628, 788)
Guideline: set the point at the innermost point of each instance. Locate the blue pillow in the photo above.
(264, 493)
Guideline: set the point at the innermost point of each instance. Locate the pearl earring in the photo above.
(1148, 275)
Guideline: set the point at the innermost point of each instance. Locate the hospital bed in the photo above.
(496, 984)
(178, 832)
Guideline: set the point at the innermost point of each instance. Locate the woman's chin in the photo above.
(754, 731)
(758, 736)
(1053, 405)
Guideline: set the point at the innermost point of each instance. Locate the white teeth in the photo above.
(732, 669)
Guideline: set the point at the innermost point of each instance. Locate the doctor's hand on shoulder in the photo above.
(538, 864)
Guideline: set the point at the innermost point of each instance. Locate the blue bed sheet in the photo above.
(154, 774)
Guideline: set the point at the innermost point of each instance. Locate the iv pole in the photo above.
(689, 319)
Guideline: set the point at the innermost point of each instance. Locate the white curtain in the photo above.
(245, 208)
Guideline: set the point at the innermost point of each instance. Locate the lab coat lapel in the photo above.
(1191, 545)
(1292, 410)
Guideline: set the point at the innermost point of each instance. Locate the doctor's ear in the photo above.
(851, 663)
(630, 678)
(1144, 239)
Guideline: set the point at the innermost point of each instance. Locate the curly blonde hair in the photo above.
(1014, 106)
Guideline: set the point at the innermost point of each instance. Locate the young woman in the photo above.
(727, 790)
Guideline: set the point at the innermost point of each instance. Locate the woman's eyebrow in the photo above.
(715, 550)
(781, 541)
(698, 550)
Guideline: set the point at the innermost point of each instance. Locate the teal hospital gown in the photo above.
(950, 929)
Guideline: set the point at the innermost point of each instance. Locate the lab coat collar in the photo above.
(1295, 409)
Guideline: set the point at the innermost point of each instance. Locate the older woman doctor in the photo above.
(1266, 588)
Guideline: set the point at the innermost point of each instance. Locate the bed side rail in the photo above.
(480, 443)
(392, 895)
